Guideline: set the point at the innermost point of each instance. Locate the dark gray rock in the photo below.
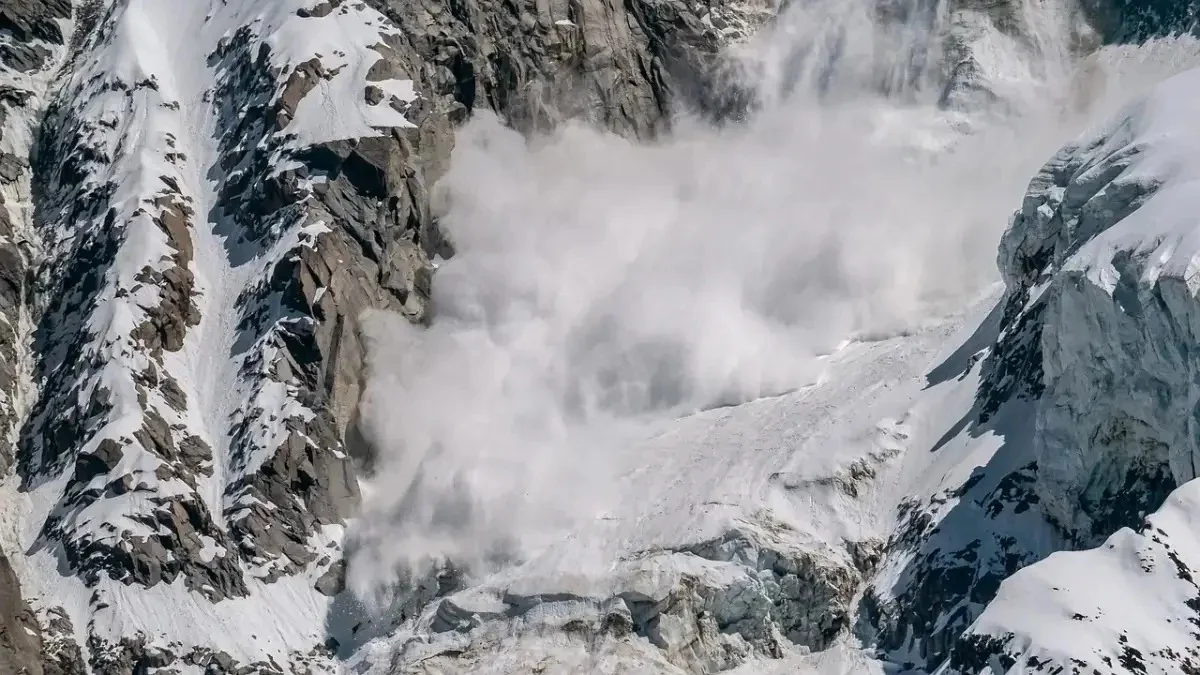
(167, 322)
(20, 634)
(1138, 20)
(24, 57)
(34, 19)
(621, 65)
(133, 655)
(333, 581)
(302, 80)
(12, 167)
(809, 598)
(61, 654)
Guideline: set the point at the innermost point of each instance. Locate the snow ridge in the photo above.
(180, 452)
(222, 190)
(1107, 238)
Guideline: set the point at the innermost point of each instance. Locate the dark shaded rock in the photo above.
(12, 167)
(131, 656)
(810, 597)
(958, 546)
(620, 65)
(35, 19)
(333, 581)
(20, 634)
(23, 57)
(1134, 21)
(323, 8)
(978, 652)
(302, 80)
(167, 322)
(61, 654)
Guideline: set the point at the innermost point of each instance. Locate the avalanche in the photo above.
(739, 396)
(839, 464)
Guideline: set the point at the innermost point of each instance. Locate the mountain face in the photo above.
(204, 200)
(1102, 231)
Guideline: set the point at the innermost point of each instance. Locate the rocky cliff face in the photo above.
(1084, 372)
(202, 199)
(1098, 264)
(623, 66)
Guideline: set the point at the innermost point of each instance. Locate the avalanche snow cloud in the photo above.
(600, 284)
(721, 401)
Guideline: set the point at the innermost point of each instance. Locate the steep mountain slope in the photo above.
(868, 519)
(1105, 241)
(206, 200)
(203, 198)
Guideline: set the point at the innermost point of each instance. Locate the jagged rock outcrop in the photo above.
(205, 236)
(1101, 315)
(705, 609)
(622, 66)
(1100, 272)
(1089, 378)
(20, 634)
(982, 40)
(1137, 20)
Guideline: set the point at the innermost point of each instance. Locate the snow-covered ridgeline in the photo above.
(224, 187)
(1101, 263)
(115, 437)
(181, 438)
(1083, 389)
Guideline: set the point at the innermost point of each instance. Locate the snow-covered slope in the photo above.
(1103, 256)
(174, 444)
(203, 198)
(841, 469)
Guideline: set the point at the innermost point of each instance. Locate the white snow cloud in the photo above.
(600, 283)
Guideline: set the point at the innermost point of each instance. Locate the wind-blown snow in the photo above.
(639, 347)
(599, 285)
